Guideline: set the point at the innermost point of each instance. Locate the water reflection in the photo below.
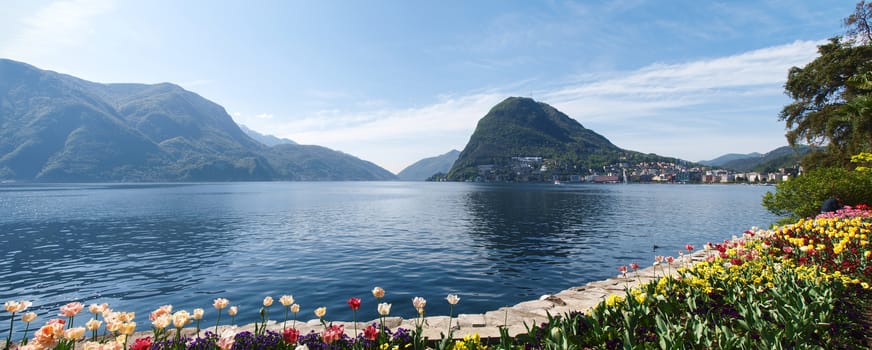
(141, 246)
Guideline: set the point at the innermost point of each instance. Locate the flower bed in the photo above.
(797, 286)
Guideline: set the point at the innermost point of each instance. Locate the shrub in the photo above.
(802, 196)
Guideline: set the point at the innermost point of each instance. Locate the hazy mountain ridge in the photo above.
(55, 127)
(268, 140)
(720, 161)
(427, 167)
(782, 157)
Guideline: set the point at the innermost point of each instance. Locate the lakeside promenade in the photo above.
(516, 318)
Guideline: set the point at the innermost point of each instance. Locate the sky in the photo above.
(393, 82)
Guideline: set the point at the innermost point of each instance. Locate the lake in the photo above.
(139, 246)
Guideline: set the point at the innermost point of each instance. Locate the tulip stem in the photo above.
(9, 338)
(285, 324)
(217, 321)
(354, 318)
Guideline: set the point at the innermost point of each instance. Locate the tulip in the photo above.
(419, 303)
(71, 309)
(370, 333)
(198, 315)
(268, 301)
(181, 318)
(453, 299)
(378, 292)
(93, 325)
(11, 306)
(27, 318)
(333, 333)
(113, 326)
(74, 334)
(97, 308)
(291, 335)
(128, 328)
(295, 309)
(141, 344)
(320, 312)
(232, 312)
(163, 321)
(384, 309)
(227, 338)
(354, 304)
(166, 309)
(287, 301)
(17, 306)
(220, 303)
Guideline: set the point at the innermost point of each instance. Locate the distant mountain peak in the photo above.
(268, 140)
(56, 127)
(427, 167)
(781, 157)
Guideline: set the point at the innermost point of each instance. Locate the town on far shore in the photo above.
(539, 169)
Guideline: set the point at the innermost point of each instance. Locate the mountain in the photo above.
(268, 140)
(720, 161)
(782, 157)
(520, 139)
(427, 167)
(55, 127)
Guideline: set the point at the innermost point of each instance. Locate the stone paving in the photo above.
(487, 325)
(518, 316)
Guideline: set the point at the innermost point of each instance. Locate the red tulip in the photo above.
(354, 303)
(291, 335)
(370, 333)
(141, 344)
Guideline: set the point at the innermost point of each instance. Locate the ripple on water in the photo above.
(139, 247)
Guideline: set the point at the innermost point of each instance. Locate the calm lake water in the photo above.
(139, 246)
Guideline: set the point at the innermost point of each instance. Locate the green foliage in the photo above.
(832, 107)
(802, 196)
(522, 127)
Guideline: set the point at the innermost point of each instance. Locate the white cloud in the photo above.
(693, 110)
(54, 28)
(264, 116)
(763, 67)
(666, 108)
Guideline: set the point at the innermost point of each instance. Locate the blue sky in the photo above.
(396, 81)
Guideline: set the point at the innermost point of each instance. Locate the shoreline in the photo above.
(516, 318)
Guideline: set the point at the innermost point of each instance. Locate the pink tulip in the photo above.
(71, 309)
